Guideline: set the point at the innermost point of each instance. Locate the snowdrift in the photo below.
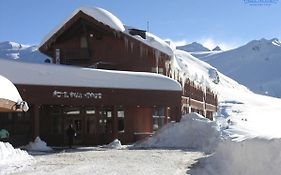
(192, 132)
(253, 156)
(37, 145)
(9, 156)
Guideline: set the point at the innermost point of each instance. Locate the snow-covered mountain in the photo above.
(255, 65)
(193, 47)
(217, 48)
(21, 52)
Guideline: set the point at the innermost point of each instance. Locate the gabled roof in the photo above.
(98, 14)
(108, 19)
(59, 75)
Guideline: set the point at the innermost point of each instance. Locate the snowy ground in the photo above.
(101, 161)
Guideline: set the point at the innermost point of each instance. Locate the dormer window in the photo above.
(139, 32)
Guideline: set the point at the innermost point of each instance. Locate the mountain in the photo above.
(26, 53)
(255, 65)
(217, 48)
(193, 47)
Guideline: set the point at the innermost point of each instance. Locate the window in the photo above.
(105, 120)
(91, 120)
(158, 118)
(71, 111)
(83, 42)
(121, 121)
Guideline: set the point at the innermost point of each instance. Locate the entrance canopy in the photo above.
(10, 99)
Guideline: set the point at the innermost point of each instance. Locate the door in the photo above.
(73, 116)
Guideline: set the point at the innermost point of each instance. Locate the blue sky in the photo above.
(228, 23)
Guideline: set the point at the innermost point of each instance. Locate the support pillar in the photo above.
(36, 121)
(114, 123)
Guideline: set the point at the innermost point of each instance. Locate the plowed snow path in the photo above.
(114, 162)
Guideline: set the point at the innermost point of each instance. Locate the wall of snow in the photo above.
(254, 156)
(9, 156)
(192, 132)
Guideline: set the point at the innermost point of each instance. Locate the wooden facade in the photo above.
(99, 118)
(84, 41)
(100, 115)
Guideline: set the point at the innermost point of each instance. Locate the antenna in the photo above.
(147, 26)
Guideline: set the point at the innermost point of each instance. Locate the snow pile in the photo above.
(254, 156)
(37, 145)
(115, 144)
(9, 155)
(192, 132)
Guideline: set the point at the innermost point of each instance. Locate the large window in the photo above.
(55, 113)
(158, 118)
(91, 120)
(105, 120)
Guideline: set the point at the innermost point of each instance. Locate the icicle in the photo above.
(132, 47)
(141, 50)
(126, 43)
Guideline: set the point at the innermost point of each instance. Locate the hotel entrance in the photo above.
(73, 116)
(93, 125)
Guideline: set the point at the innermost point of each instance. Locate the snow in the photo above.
(37, 145)
(11, 157)
(21, 52)
(51, 74)
(8, 90)
(115, 144)
(189, 67)
(100, 161)
(192, 132)
(97, 13)
(255, 65)
(193, 47)
(254, 156)
(153, 41)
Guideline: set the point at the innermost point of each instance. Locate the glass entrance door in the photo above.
(73, 117)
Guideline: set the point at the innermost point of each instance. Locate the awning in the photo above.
(10, 99)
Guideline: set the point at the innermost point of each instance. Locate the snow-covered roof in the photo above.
(153, 41)
(8, 90)
(97, 13)
(58, 75)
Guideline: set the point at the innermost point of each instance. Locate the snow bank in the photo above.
(253, 156)
(37, 145)
(192, 132)
(9, 155)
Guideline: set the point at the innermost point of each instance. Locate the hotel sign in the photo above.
(77, 95)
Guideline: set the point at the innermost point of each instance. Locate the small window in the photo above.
(71, 111)
(83, 42)
(90, 111)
